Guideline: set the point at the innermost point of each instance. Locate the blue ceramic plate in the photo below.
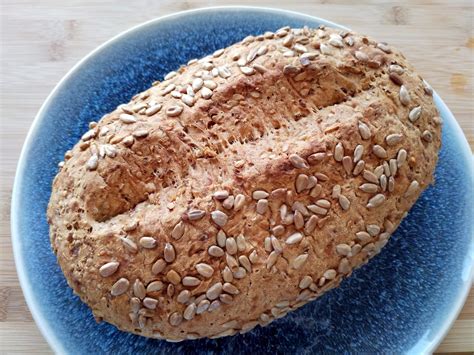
(402, 301)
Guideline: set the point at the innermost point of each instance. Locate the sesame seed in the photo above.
(404, 96)
(215, 251)
(376, 201)
(294, 238)
(379, 151)
(120, 287)
(109, 268)
(414, 114)
(147, 242)
(158, 266)
(169, 253)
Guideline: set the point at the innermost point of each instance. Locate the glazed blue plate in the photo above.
(404, 300)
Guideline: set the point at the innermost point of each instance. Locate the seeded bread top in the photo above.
(245, 184)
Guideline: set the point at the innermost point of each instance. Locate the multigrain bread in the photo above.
(245, 184)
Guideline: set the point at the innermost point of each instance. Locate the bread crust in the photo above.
(245, 184)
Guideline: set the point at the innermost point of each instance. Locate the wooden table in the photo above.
(42, 40)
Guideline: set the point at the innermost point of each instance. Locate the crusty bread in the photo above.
(245, 184)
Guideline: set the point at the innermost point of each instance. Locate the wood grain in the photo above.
(42, 40)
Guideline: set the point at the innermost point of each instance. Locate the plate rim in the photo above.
(50, 336)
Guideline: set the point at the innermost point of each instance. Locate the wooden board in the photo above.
(42, 40)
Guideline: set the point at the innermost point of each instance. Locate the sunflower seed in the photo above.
(231, 246)
(214, 305)
(316, 158)
(298, 220)
(239, 202)
(174, 110)
(120, 287)
(358, 151)
(384, 47)
(231, 261)
(298, 162)
(169, 253)
(259, 194)
(127, 118)
(262, 206)
(376, 201)
(393, 139)
(154, 286)
(195, 215)
(312, 181)
(358, 168)
(330, 274)
(310, 225)
(271, 260)
(404, 96)
(343, 249)
(344, 266)
(305, 282)
(247, 70)
(221, 237)
(414, 114)
(168, 89)
(361, 56)
(378, 171)
(214, 291)
(93, 162)
(317, 210)
(245, 262)
(241, 244)
(225, 298)
(224, 72)
(394, 68)
(173, 277)
(412, 188)
(206, 93)
(383, 182)
(300, 48)
(363, 236)
(176, 94)
(190, 281)
(175, 319)
(189, 312)
(336, 191)
(129, 245)
(396, 79)
(379, 151)
(347, 164)
(299, 261)
(364, 131)
(301, 182)
(215, 251)
(109, 268)
(158, 266)
(427, 87)
(150, 303)
(335, 40)
(139, 289)
(294, 238)
(219, 218)
(325, 49)
(147, 242)
(203, 306)
(344, 202)
(205, 270)
(253, 257)
(276, 244)
(338, 152)
(89, 135)
(227, 274)
(220, 195)
(369, 188)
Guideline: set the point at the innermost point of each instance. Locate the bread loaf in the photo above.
(245, 184)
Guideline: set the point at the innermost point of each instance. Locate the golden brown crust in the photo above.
(180, 216)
